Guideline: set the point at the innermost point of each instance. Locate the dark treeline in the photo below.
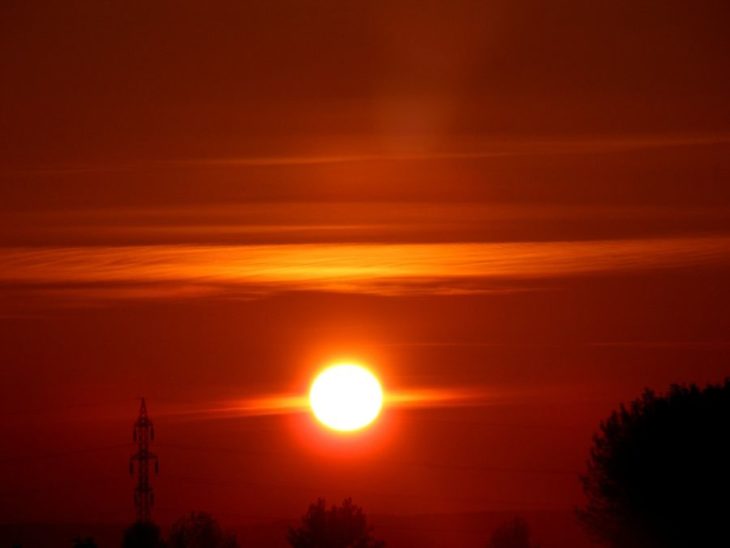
(659, 471)
(657, 477)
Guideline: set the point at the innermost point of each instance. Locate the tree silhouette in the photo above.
(342, 526)
(199, 530)
(513, 534)
(659, 471)
(142, 535)
(87, 542)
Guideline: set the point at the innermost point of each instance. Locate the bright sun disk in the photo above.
(346, 397)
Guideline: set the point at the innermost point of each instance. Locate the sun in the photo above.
(346, 397)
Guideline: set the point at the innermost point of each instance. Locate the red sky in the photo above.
(206, 203)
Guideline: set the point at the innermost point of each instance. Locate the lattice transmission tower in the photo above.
(144, 433)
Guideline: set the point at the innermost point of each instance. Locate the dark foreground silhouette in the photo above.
(659, 472)
(513, 534)
(199, 530)
(343, 526)
(658, 476)
(142, 535)
(194, 530)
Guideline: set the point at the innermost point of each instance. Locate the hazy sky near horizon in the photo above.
(204, 204)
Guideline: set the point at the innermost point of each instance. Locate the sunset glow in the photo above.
(403, 274)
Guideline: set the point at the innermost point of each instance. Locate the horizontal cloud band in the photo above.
(360, 268)
(418, 398)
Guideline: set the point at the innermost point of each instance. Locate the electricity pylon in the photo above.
(144, 433)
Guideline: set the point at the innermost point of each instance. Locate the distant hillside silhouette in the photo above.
(552, 529)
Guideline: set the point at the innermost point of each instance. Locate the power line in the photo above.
(237, 482)
(420, 464)
(61, 454)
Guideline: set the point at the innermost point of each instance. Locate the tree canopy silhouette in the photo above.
(199, 530)
(659, 471)
(344, 526)
(142, 535)
(513, 534)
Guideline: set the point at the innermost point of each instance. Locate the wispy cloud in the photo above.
(467, 149)
(386, 269)
(284, 404)
(483, 150)
(263, 223)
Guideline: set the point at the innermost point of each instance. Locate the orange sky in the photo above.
(205, 204)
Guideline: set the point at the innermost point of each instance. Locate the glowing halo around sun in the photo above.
(346, 397)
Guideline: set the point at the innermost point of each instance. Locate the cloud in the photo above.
(482, 150)
(180, 271)
(466, 148)
(278, 223)
(283, 404)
